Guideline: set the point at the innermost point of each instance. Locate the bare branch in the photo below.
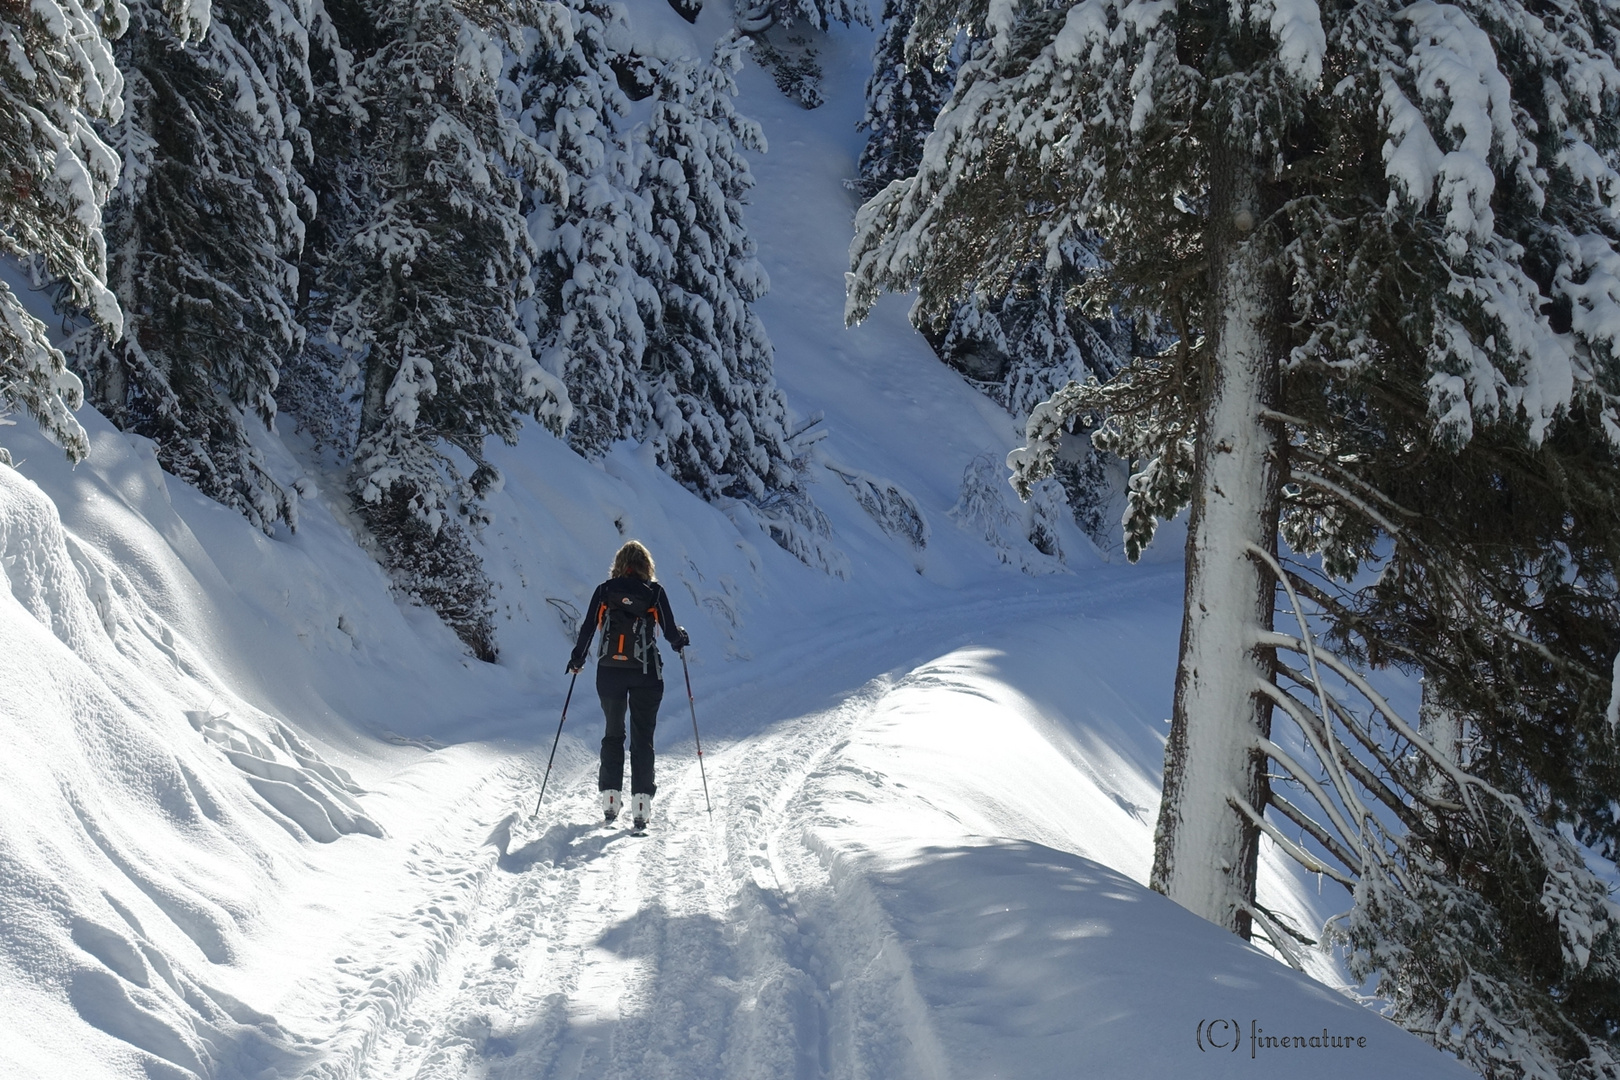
(1328, 750)
(1276, 935)
(1295, 852)
(1353, 480)
(1368, 779)
(1318, 831)
(1465, 782)
(1302, 776)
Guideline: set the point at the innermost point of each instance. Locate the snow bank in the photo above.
(127, 861)
(977, 849)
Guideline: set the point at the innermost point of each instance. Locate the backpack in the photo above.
(627, 616)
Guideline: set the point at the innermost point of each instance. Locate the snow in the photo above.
(1613, 711)
(258, 818)
(1301, 42)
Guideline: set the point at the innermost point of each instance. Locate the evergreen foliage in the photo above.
(204, 229)
(902, 99)
(594, 296)
(1024, 333)
(1409, 216)
(719, 423)
(316, 385)
(647, 274)
(1023, 341)
(757, 16)
(57, 75)
(407, 225)
(434, 273)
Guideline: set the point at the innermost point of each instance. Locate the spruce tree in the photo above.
(903, 96)
(433, 276)
(1022, 339)
(594, 297)
(1385, 237)
(204, 229)
(758, 16)
(719, 422)
(317, 383)
(57, 75)
(1024, 333)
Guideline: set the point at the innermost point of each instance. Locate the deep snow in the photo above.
(258, 819)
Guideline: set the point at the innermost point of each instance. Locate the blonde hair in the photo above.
(633, 560)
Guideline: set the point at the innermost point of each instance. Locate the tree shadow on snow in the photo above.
(660, 995)
(1029, 959)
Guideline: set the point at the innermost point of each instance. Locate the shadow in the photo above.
(661, 995)
(1028, 959)
(561, 842)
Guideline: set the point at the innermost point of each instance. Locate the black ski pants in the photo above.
(619, 687)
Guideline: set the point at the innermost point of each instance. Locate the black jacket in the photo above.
(656, 598)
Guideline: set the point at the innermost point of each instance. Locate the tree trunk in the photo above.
(1204, 849)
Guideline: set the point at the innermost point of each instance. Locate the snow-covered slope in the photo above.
(257, 819)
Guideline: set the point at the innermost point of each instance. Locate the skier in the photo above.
(629, 670)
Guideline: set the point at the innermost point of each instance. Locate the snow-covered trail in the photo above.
(598, 953)
(560, 947)
(886, 887)
(500, 945)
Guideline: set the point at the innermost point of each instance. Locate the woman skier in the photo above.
(629, 671)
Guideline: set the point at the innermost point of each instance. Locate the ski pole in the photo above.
(554, 742)
(693, 705)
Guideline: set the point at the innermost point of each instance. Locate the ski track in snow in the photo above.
(567, 948)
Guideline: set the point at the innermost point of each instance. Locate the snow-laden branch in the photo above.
(1311, 479)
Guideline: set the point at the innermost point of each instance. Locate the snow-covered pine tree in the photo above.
(1021, 340)
(1386, 236)
(316, 387)
(903, 96)
(594, 298)
(719, 424)
(434, 275)
(647, 271)
(57, 75)
(758, 16)
(787, 36)
(204, 229)
(1022, 335)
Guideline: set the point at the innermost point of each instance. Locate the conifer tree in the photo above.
(317, 383)
(57, 75)
(1021, 338)
(204, 230)
(594, 299)
(647, 273)
(433, 274)
(757, 16)
(903, 97)
(1386, 237)
(719, 422)
(1020, 335)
